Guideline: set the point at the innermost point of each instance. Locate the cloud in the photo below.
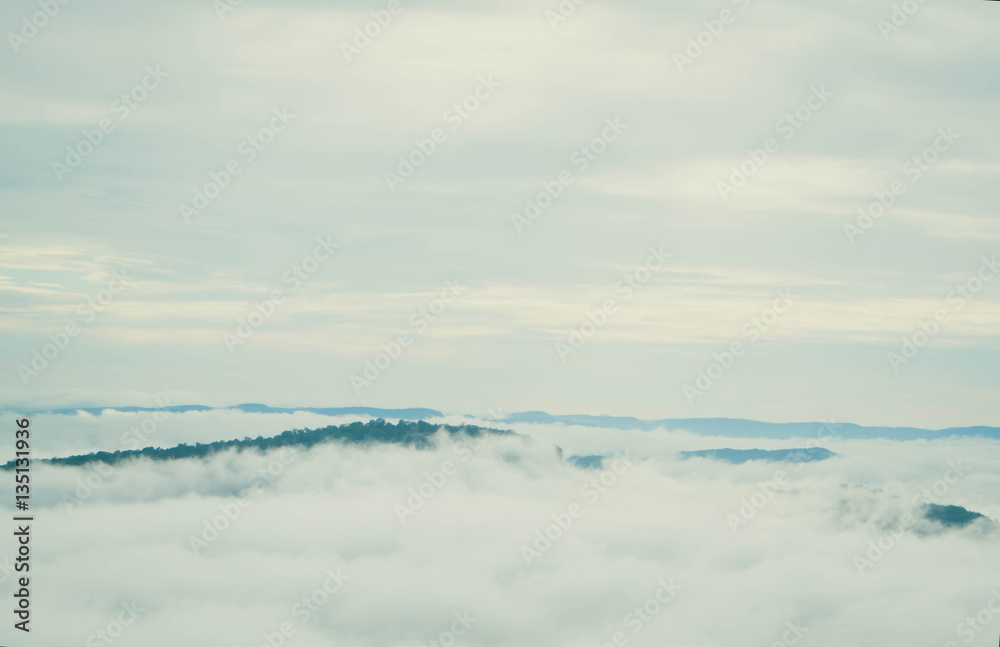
(223, 549)
(325, 177)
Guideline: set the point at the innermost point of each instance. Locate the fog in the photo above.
(505, 542)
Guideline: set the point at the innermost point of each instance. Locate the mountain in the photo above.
(951, 516)
(416, 413)
(739, 456)
(739, 428)
(728, 427)
(412, 434)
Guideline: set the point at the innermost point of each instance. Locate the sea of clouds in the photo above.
(504, 542)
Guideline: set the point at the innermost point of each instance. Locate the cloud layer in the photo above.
(224, 550)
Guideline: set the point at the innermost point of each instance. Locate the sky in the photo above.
(514, 204)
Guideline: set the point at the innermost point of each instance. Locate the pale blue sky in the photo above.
(656, 185)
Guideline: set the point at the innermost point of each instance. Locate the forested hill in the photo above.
(412, 434)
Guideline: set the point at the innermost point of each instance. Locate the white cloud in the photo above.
(333, 507)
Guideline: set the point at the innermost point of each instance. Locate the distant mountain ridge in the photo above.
(740, 428)
(730, 427)
(415, 413)
(740, 456)
(727, 455)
